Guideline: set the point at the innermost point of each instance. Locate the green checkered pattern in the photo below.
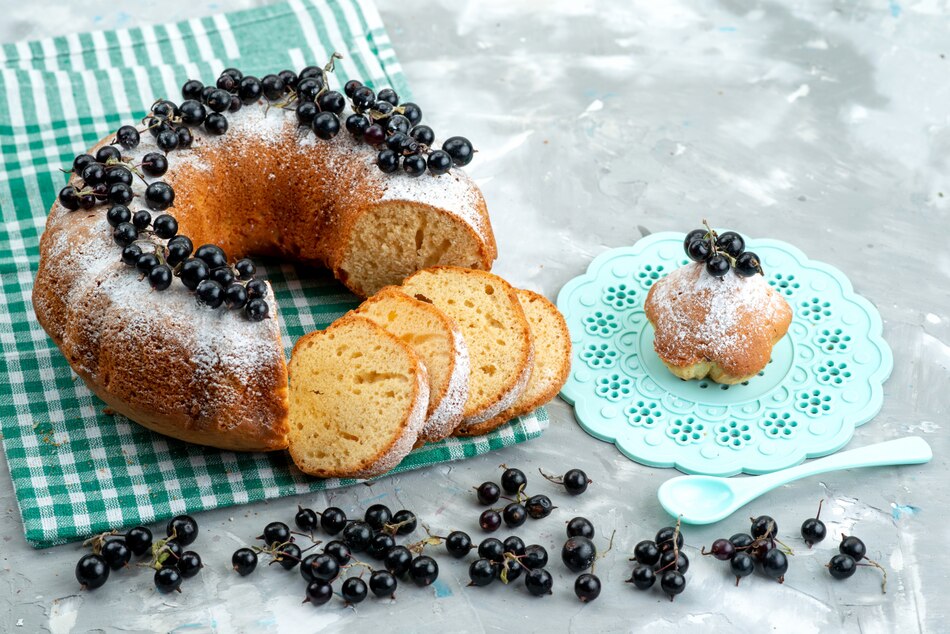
(77, 470)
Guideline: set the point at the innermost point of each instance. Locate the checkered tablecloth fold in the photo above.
(75, 469)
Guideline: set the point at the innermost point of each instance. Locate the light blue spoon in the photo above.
(701, 499)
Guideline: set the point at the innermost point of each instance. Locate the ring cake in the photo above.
(179, 337)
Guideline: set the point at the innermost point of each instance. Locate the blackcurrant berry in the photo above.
(213, 256)
(118, 174)
(118, 214)
(731, 243)
(381, 111)
(842, 566)
(167, 580)
(331, 101)
(256, 309)
(191, 89)
(664, 538)
(190, 564)
(183, 528)
(288, 555)
(643, 577)
(363, 98)
(339, 551)
(717, 265)
(412, 112)
(535, 556)
(233, 73)
(163, 109)
(165, 226)
(116, 553)
(159, 196)
(491, 549)
(146, 262)
(206, 93)
(356, 535)
(775, 564)
(210, 294)
(389, 95)
(646, 552)
(69, 198)
(513, 481)
(423, 134)
(193, 272)
(160, 277)
(514, 545)
(81, 161)
(244, 561)
(398, 560)
(538, 581)
(748, 264)
(178, 249)
(587, 587)
(139, 540)
(333, 519)
(124, 234)
(813, 531)
(318, 592)
(141, 219)
(219, 100)
(306, 111)
(741, 540)
(236, 104)
(357, 124)
(324, 568)
(722, 549)
(481, 572)
(698, 250)
(354, 590)
(404, 521)
(326, 125)
(289, 78)
(539, 506)
(672, 583)
(578, 553)
(108, 153)
(127, 136)
(131, 253)
(272, 87)
(216, 123)
(439, 163)
(382, 583)
(764, 526)
(306, 567)
(235, 296)
(379, 545)
(167, 140)
(460, 149)
(192, 112)
(423, 570)
(226, 82)
(308, 88)
(671, 560)
(398, 123)
(458, 544)
(742, 565)
(580, 527)
(93, 174)
(305, 519)
(154, 164)
(312, 71)
(377, 516)
(119, 194)
(514, 515)
(351, 86)
(387, 161)
(489, 521)
(185, 138)
(853, 547)
(487, 493)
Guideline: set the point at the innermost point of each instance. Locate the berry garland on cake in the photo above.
(153, 246)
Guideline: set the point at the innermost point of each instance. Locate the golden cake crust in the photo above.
(720, 328)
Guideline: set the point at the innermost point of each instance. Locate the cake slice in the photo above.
(486, 309)
(358, 399)
(552, 361)
(440, 346)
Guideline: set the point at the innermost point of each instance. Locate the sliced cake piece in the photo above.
(496, 332)
(358, 399)
(552, 361)
(439, 343)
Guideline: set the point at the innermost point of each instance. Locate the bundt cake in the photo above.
(248, 167)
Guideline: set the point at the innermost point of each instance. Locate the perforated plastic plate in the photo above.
(824, 379)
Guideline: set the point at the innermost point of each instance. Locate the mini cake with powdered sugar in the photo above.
(717, 317)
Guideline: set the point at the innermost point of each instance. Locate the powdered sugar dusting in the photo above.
(725, 320)
(448, 414)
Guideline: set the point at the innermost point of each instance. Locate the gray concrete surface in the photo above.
(825, 123)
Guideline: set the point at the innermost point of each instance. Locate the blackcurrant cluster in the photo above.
(852, 553)
(171, 562)
(503, 561)
(522, 506)
(760, 547)
(721, 252)
(102, 178)
(374, 535)
(662, 557)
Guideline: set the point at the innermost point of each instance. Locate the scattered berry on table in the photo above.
(490, 521)
(332, 520)
(643, 577)
(538, 582)
(423, 570)
(398, 560)
(587, 587)
(487, 493)
(354, 590)
(244, 561)
(578, 553)
(167, 580)
(92, 571)
(580, 527)
(813, 529)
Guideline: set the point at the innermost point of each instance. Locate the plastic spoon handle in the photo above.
(911, 450)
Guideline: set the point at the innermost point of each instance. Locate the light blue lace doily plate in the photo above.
(824, 379)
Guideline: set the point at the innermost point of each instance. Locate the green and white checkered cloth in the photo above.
(77, 470)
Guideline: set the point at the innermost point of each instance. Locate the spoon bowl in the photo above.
(702, 499)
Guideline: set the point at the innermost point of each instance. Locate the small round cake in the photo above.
(139, 283)
(717, 317)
